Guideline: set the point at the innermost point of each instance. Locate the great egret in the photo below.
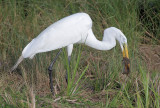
(76, 28)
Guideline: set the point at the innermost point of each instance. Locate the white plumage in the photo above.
(76, 28)
(67, 31)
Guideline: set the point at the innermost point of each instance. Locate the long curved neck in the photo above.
(99, 45)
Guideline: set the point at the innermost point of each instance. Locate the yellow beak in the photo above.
(126, 60)
(125, 51)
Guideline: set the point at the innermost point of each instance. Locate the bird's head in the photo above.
(110, 35)
(124, 47)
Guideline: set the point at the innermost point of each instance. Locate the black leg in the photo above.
(66, 77)
(50, 71)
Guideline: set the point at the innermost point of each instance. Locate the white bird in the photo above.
(76, 28)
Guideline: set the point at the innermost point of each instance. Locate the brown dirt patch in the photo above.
(151, 56)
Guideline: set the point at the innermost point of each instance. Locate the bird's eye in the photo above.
(123, 39)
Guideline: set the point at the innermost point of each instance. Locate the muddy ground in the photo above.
(151, 56)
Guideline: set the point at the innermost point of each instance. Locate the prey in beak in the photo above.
(126, 61)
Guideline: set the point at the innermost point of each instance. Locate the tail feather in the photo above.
(17, 63)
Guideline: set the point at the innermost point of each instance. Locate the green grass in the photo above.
(95, 77)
